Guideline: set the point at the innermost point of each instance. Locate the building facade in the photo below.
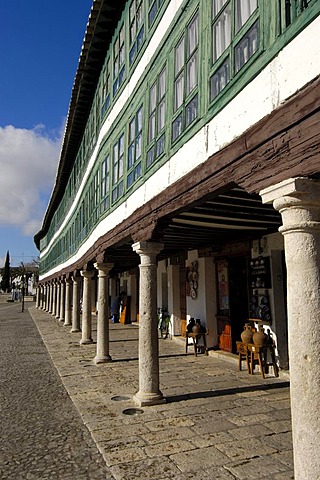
(189, 178)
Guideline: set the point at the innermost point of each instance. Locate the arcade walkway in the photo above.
(218, 423)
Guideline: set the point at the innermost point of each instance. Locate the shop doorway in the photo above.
(233, 300)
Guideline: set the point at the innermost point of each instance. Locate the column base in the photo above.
(61, 320)
(86, 341)
(75, 330)
(104, 359)
(147, 399)
(67, 324)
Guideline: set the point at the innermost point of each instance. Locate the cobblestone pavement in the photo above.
(41, 433)
(218, 423)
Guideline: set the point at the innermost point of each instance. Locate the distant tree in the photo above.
(5, 282)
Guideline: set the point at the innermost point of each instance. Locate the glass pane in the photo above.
(139, 120)
(162, 84)
(161, 115)
(131, 130)
(179, 56)
(138, 146)
(216, 6)
(121, 36)
(220, 79)
(160, 146)
(150, 156)
(140, 38)
(139, 15)
(193, 35)
(247, 47)
(130, 179)
(132, 10)
(192, 73)
(153, 97)
(132, 32)
(131, 155)
(153, 12)
(192, 110)
(244, 9)
(121, 145)
(221, 33)
(152, 127)
(120, 167)
(177, 127)
(178, 92)
(137, 171)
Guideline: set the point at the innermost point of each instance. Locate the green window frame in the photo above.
(185, 97)
(105, 184)
(289, 11)
(154, 8)
(119, 60)
(234, 40)
(134, 166)
(117, 169)
(157, 117)
(136, 29)
(106, 88)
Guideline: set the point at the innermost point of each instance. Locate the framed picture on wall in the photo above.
(223, 287)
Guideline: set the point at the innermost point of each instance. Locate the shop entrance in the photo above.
(233, 302)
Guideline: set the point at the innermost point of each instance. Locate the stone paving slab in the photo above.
(218, 423)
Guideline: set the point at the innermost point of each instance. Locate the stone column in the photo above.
(102, 355)
(76, 304)
(68, 299)
(44, 297)
(62, 300)
(298, 201)
(49, 304)
(39, 296)
(58, 299)
(86, 307)
(149, 392)
(54, 298)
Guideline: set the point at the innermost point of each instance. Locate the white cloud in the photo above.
(28, 165)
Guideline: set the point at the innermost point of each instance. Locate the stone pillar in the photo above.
(76, 304)
(58, 299)
(103, 355)
(86, 307)
(39, 296)
(44, 297)
(298, 201)
(68, 301)
(149, 392)
(49, 305)
(54, 298)
(62, 300)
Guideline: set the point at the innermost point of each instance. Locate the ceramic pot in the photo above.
(260, 338)
(247, 334)
(196, 328)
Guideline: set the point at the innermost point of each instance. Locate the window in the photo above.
(156, 123)
(117, 172)
(186, 79)
(134, 148)
(154, 7)
(290, 10)
(105, 89)
(118, 61)
(136, 17)
(104, 185)
(233, 43)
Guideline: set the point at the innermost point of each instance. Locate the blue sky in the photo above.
(40, 44)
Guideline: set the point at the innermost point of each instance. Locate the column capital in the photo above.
(300, 188)
(298, 201)
(103, 267)
(147, 248)
(87, 273)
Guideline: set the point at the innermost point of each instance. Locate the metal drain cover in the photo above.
(120, 398)
(132, 411)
